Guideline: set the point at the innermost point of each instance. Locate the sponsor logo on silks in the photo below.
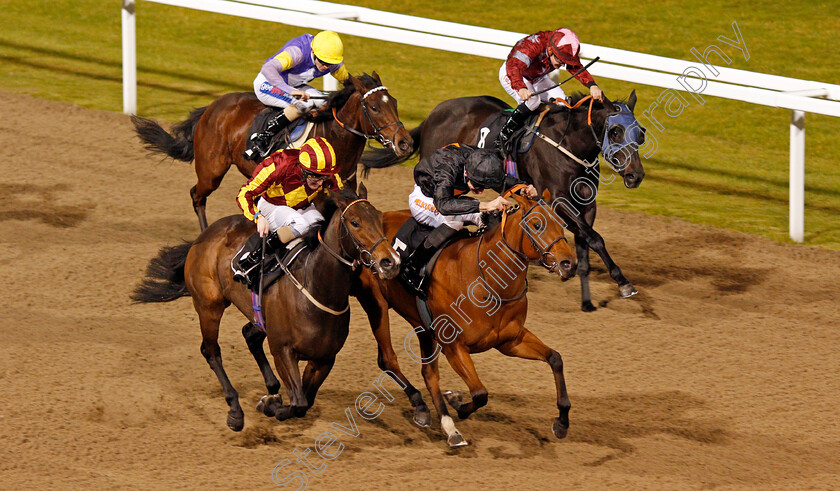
(425, 206)
(268, 89)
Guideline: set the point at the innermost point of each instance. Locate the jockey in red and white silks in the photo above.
(526, 71)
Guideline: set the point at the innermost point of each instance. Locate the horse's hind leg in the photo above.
(530, 347)
(313, 376)
(255, 337)
(199, 205)
(431, 375)
(376, 309)
(460, 361)
(209, 316)
(210, 172)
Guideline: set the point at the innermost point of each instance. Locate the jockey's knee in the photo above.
(454, 223)
(299, 226)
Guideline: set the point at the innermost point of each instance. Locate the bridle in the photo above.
(377, 130)
(544, 253)
(365, 254)
(623, 117)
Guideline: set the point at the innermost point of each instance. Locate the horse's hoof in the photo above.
(627, 291)
(236, 422)
(453, 397)
(422, 417)
(559, 429)
(587, 306)
(268, 404)
(456, 440)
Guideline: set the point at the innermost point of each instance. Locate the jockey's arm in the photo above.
(275, 65)
(514, 67)
(444, 198)
(340, 73)
(253, 189)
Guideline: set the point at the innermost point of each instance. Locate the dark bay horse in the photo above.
(477, 298)
(573, 186)
(216, 135)
(306, 323)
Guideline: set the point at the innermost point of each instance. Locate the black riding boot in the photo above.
(259, 143)
(245, 265)
(514, 122)
(413, 271)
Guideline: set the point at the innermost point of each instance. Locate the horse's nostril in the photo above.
(566, 265)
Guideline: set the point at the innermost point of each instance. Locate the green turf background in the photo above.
(724, 163)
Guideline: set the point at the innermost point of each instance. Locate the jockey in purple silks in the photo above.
(282, 82)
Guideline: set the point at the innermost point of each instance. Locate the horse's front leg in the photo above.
(376, 308)
(286, 363)
(313, 376)
(582, 251)
(460, 361)
(431, 375)
(530, 347)
(586, 237)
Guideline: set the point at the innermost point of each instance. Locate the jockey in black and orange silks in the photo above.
(441, 181)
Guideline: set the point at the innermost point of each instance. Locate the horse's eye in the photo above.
(355, 223)
(374, 109)
(615, 131)
(537, 226)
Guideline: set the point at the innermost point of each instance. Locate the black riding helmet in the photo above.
(485, 169)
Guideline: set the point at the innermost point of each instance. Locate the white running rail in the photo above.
(799, 96)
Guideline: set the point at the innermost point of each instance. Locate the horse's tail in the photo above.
(164, 279)
(385, 157)
(178, 145)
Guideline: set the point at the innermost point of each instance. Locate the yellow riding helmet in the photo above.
(328, 48)
(317, 156)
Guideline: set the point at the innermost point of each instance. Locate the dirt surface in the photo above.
(722, 373)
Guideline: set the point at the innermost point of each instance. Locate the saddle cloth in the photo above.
(490, 128)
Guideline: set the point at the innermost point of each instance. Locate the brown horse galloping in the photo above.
(477, 297)
(216, 135)
(573, 186)
(308, 323)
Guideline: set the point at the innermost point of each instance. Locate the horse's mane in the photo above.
(338, 99)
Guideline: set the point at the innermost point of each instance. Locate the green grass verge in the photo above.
(723, 163)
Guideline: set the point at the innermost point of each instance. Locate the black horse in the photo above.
(582, 130)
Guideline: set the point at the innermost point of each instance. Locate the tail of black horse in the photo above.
(385, 157)
(164, 279)
(178, 144)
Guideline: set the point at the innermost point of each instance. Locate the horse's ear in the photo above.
(546, 195)
(376, 77)
(362, 191)
(360, 88)
(631, 102)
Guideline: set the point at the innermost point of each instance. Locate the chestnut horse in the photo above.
(582, 131)
(215, 136)
(490, 271)
(306, 312)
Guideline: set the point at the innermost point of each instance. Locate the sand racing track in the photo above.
(722, 373)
